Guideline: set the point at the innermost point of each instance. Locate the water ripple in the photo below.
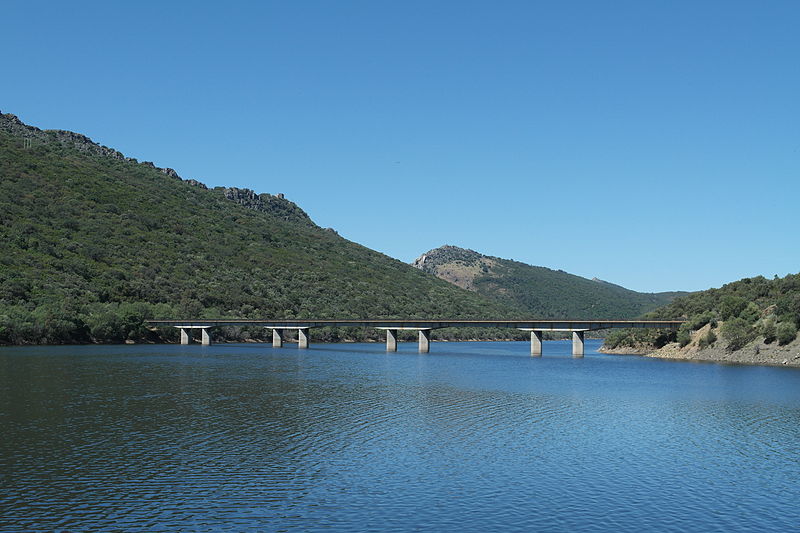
(475, 437)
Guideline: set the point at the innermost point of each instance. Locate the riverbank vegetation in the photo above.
(742, 312)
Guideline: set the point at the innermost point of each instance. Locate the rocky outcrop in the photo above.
(195, 183)
(245, 197)
(276, 205)
(171, 173)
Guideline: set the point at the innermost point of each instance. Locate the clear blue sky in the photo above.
(652, 144)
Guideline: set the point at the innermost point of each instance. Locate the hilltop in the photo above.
(93, 242)
(543, 292)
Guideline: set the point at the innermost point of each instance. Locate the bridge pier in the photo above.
(302, 337)
(577, 343)
(391, 340)
(277, 338)
(186, 335)
(578, 328)
(424, 341)
(536, 343)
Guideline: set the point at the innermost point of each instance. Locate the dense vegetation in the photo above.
(747, 308)
(92, 243)
(541, 291)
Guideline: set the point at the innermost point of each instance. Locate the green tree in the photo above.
(731, 306)
(738, 333)
(768, 329)
(707, 340)
(786, 333)
(684, 335)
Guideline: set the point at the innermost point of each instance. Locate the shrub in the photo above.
(768, 329)
(786, 333)
(731, 306)
(616, 338)
(750, 313)
(684, 336)
(696, 322)
(664, 338)
(707, 340)
(738, 333)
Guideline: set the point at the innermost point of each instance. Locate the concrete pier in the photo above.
(302, 337)
(577, 344)
(536, 343)
(391, 340)
(206, 338)
(277, 338)
(424, 341)
(185, 338)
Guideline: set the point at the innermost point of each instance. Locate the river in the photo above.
(345, 437)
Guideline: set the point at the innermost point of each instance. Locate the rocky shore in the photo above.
(756, 352)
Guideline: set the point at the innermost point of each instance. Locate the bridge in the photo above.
(423, 327)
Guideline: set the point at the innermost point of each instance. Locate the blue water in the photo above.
(472, 437)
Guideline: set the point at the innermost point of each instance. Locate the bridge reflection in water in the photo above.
(424, 327)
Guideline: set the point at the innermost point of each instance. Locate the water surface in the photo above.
(473, 436)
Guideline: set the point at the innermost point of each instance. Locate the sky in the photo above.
(654, 144)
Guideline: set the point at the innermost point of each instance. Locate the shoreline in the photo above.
(755, 353)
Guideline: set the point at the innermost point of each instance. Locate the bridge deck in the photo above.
(537, 324)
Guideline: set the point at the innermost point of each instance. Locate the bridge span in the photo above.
(424, 327)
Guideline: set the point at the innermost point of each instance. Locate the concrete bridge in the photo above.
(424, 327)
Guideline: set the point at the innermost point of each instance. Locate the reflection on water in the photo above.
(347, 437)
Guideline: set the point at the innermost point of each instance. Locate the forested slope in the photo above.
(92, 243)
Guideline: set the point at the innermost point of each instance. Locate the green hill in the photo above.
(92, 243)
(753, 312)
(542, 292)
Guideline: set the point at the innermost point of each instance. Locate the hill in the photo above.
(753, 320)
(92, 243)
(541, 291)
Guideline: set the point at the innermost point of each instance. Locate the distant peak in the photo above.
(446, 254)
